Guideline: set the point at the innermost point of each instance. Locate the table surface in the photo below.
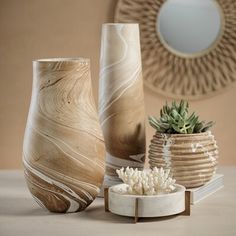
(20, 214)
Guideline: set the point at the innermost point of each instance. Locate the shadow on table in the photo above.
(19, 206)
(97, 213)
(27, 207)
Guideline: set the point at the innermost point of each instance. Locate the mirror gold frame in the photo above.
(180, 75)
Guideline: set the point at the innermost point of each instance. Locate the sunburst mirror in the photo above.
(188, 46)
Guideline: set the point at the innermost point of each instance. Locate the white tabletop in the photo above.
(20, 215)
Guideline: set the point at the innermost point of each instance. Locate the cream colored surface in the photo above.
(32, 29)
(21, 216)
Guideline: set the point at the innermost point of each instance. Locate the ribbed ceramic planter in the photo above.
(63, 152)
(191, 157)
(121, 101)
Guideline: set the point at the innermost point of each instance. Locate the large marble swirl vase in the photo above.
(63, 151)
(121, 101)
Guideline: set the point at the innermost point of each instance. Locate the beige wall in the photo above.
(32, 29)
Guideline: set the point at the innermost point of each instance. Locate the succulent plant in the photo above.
(176, 119)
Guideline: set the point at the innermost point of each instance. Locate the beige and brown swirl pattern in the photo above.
(64, 150)
(191, 157)
(121, 101)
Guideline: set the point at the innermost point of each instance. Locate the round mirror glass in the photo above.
(189, 27)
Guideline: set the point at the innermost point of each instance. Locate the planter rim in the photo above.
(181, 188)
(181, 135)
(114, 24)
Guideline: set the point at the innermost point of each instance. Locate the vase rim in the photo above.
(63, 59)
(120, 24)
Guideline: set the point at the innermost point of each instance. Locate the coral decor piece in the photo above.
(63, 153)
(146, 182)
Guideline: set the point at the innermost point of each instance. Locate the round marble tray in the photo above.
(148, 206)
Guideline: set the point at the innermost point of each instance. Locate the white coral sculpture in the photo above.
(147, 182)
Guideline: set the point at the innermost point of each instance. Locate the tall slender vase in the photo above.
(63, 151)
(121, 101)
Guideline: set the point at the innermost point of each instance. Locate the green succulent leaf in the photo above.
(207, 126)
(176, 119)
